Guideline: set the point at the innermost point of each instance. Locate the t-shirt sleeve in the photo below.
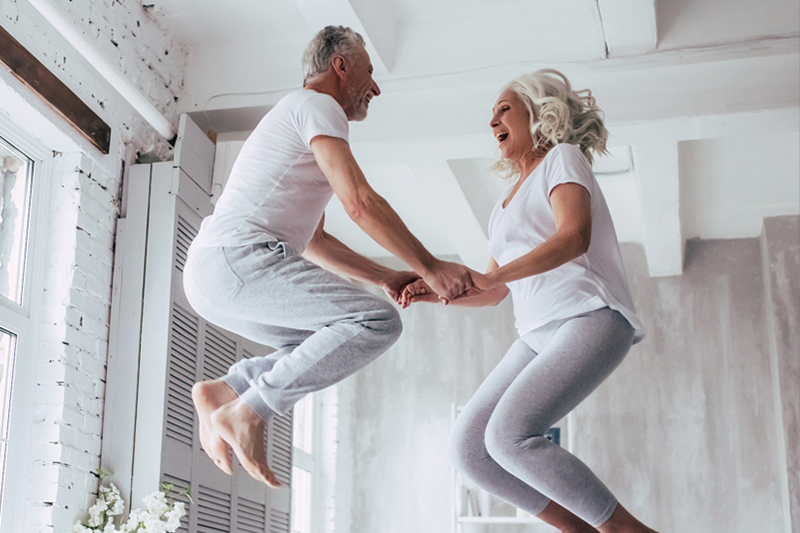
(569, 166)
(322, 115)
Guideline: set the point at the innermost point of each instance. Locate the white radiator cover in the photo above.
(152, 428)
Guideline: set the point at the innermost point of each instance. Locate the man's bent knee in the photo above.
(386, 325)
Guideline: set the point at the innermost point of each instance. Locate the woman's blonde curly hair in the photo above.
(558, 114)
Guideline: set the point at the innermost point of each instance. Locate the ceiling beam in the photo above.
(453, 213)
(369, 18)
(629, 26)
(657, 173)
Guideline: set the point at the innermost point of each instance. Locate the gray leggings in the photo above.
(498, 439)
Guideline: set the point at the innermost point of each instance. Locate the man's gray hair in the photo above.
(329, 41)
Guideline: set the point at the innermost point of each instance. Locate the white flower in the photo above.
(160, 516)
(156, 503)
(173, 516)
(153, 524)
(80, 528)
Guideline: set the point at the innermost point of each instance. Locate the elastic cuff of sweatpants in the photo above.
(253, 398)
(237, 382)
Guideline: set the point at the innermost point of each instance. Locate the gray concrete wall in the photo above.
(687, 432)
(402, 413)
(683, 432)
(780, 243)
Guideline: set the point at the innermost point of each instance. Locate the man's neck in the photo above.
(327, 85)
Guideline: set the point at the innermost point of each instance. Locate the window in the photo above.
(7, 353)
(22, 161)
(15, 178)
(303, 471)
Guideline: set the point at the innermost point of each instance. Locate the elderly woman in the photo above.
(554, 248)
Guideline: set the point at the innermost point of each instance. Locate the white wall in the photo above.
(69, 362)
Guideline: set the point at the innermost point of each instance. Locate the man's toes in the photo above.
(271, 480)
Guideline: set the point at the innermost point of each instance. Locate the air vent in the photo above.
(251, 517)
(213, 511)
(281, 440)
(183, 238)
(182, 355)
(220, 353)
(279, 522)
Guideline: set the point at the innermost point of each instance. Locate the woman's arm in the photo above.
(572, 209)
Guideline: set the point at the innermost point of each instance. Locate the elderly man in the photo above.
(255, 267)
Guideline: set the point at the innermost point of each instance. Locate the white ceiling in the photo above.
(702, 99)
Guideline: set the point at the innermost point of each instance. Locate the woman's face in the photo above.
(511, 126)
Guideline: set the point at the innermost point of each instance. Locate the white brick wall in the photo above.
(74, 344)
(72, 349)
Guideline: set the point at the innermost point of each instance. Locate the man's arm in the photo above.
(332, 254)
(377, 219)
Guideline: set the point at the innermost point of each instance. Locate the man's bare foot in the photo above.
(243, 429)
(208, 396)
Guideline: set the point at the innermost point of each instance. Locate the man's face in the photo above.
(361, 88)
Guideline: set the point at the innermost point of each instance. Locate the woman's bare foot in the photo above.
(243, 429)
(208, 396)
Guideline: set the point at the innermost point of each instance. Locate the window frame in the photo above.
(303, 459)
(23, 320)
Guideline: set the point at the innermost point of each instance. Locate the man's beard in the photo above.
(359, 108)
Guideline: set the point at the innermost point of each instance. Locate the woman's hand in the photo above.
(418, 291)
(393, 286)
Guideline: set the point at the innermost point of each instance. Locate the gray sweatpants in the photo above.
(323, 327)
(498, 439)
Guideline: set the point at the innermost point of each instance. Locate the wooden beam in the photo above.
(55, 94)
(378, 31)
(629, 26)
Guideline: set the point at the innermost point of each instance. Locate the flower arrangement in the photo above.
(161, 514)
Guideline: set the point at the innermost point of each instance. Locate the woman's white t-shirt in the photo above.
(276, 191)
(592, 281)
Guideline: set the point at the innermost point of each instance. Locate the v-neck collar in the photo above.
(506, 200)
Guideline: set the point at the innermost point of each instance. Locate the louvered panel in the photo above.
(180, 496)
(220, 353)
(213, 511)
(184, 331)
(185, 234)
(279, 521)
(251, 517)
(281, 437)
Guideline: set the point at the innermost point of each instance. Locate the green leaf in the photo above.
(102, 474)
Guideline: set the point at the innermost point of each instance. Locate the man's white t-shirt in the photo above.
(592, 281)
(276, 191)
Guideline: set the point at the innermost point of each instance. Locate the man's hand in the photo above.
(449, 280)
(394, 284)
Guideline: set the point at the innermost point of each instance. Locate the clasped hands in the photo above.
(451, 283)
